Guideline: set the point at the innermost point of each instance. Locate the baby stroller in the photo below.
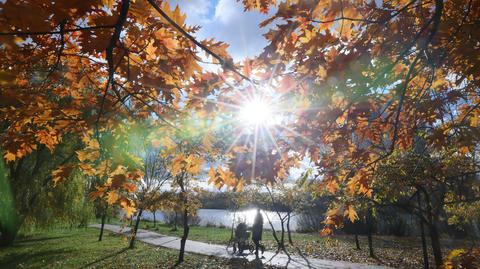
(241, 241)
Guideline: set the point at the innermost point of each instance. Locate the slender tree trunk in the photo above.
(104, 215)
(434, 236)
(175, 221)
(357, 243)
(154, 220)
(233, 224)
(183, 241)
(289, 232)
(282, 237)
(422, 234)
(369, 233)
(135, 229)
(436, 247)
(274, 234)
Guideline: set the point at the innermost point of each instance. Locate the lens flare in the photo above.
(256, 112)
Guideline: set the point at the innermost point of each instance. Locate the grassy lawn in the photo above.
(79, 248)
(399, 252)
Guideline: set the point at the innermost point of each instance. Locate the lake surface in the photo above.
(218, 217)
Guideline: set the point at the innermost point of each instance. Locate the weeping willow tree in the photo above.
(30, 199)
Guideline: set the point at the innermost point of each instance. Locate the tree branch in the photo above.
(225, 64)
(89, 28)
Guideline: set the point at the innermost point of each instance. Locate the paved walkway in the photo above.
(281, 260)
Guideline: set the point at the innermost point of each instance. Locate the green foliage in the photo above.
(65, 205)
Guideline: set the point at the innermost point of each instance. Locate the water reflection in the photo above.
(219, 217)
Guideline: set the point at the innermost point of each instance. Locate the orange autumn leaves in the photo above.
(380, 77)
(79, 69)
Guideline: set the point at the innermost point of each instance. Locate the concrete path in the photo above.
(280, 260)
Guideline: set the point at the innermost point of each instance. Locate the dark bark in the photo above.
(233, 225)
(154, 219)
(280, 245)
(135, 229)
(289, 232)
(357, 243)
(436, 247)
(175, 221)
(281, 242)
(432, 227)
(183, 241)
(422, 233)
(369, 233)
(104, 215)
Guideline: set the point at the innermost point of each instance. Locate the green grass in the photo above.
(79, 248)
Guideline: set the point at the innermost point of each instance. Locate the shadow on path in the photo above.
(239, 262)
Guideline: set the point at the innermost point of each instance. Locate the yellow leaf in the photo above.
(10, 156)
(351, 213)
(112, 197)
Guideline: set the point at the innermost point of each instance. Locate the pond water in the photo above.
(219, 217)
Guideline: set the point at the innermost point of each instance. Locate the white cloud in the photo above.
(225, 10)
(226, 21)
(197, 10)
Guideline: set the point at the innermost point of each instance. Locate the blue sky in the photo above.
(226, 21)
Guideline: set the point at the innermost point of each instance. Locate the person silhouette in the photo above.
(257, 230)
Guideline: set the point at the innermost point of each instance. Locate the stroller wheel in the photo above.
(251, 248)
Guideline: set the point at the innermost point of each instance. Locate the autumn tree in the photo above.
(426, 185)
(149, 189)
(83, 69)
(366, 78)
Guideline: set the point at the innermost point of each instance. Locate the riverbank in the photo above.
(79, 248)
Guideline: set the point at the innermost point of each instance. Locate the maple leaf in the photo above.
(9, 156)
(351, 213)
(112, 197)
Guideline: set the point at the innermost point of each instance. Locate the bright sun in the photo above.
(256, 112)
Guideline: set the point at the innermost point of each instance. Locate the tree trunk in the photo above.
(357, 243)
(369, 233)
(436, 247)
(432, 227)
(183, 241)
(422, 234)
(104, 215)
(282, 237)
(175, 221)
(233, 224)
(280, 245)
(154, 220)
(135, 229)
(289, 232)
